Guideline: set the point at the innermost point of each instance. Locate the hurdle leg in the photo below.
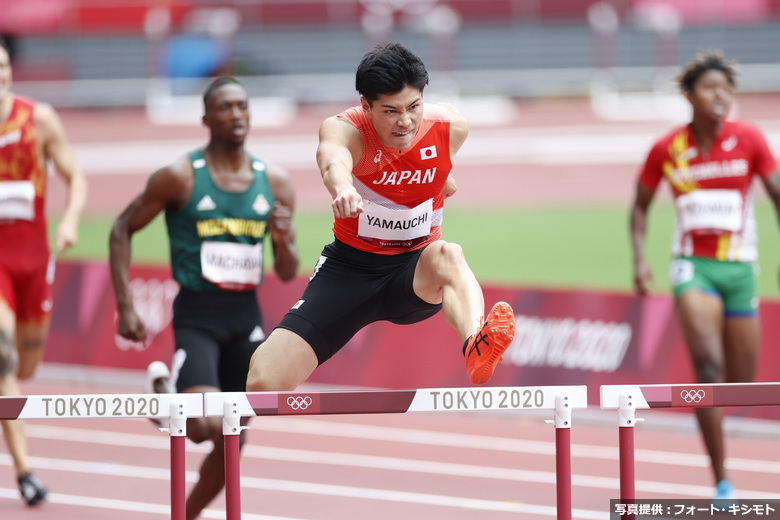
(177, 430)
(231, 430)
(562, 423)
(626, 422)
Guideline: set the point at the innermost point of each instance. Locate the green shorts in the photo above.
(733, 282)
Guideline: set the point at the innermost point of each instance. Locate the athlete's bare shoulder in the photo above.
(172, 184)
(180, 169)
(338, 136)
(338, 128)
(47, 121)
(443, 110)
(459, 125)
(43, 112)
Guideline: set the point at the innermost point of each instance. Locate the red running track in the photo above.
(389, 467)
(427, 466)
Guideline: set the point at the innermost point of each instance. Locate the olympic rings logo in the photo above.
(692, 396)
(299, 403)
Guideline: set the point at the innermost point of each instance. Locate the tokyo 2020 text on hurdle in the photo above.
(173, 408)
(561, 399)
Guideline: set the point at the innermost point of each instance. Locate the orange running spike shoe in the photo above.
(485, 349)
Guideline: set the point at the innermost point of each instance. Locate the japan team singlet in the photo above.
(401, 191)
(713, 192)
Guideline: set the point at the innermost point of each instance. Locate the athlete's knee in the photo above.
(9, 357)
(708, 370)
(452, 252)
(205, 429)
(263, 380)
(449, 258)
(281, 363)
(31, 351)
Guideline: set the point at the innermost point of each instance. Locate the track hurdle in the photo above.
(176, 408)
(628, 398)
(234, 405)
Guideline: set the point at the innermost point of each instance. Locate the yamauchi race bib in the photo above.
(395, 227)
(232, 266)
(17, 200)
(710, 210)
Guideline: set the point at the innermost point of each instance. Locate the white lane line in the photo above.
(408, 465)
(412, 436)
(287, 486)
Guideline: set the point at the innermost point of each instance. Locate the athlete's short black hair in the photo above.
(7, 43)
(704, 61)
(387, 69)
(216, 84)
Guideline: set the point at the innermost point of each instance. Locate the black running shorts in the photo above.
(350, 289)
(219, 331)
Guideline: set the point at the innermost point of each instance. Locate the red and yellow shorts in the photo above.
(25, 285)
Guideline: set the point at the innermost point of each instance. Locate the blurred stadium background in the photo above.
(95, 53)
(571, 93)
(565, 97)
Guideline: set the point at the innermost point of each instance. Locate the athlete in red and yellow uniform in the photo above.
(712, 191)
(31, 135)
(386, 163)
(710, 165)
(22, 217)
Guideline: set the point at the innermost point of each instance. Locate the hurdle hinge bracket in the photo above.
(562, 417)
(627, 410)
(231, 418)
(177, 419)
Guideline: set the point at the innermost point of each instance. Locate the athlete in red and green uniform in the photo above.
(31, 135)
(710, 165)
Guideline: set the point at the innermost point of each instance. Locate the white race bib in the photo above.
(395, 227)
(17, 200)
(710, 209)
(231, 265)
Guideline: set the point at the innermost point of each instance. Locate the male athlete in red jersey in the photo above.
(386, 164)
(31, 134)
(710, 165)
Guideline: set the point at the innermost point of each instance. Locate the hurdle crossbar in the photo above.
(234, 405)
(176, 408)
(628, 398)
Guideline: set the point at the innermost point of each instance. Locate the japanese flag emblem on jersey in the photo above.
(261, 205)
(428, 153)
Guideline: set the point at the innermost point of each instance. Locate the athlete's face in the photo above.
(712, 95)
(227, 113)
(5, 74)
(396, 117)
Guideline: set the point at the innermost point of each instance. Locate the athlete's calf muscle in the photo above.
(9, 358)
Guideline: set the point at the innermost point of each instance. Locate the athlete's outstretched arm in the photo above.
(339, 148)
(56, 148)
(643, 274)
